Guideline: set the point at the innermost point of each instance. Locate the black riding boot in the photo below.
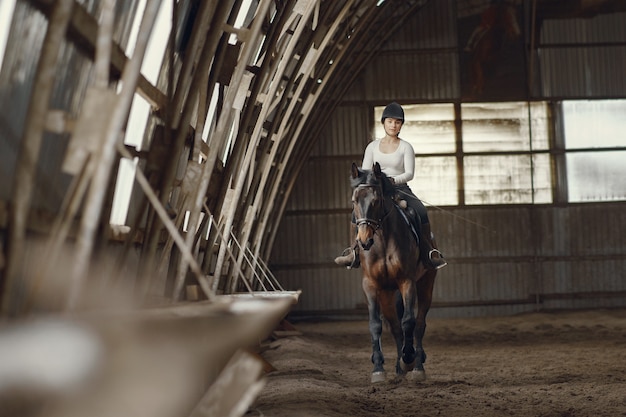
(430, 253)
(350, 256)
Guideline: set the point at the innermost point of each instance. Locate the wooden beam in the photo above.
(83, 32)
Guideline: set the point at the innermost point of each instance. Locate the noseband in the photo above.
(374, 224)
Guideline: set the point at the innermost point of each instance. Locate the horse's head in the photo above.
(369, 191)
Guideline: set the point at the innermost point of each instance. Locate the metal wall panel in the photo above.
(595, 71)
(328, 291)
(302, 259)
(434, 27)
(583, 57)
(599, 29)
(347, 133)
(311, 239)
(425, 64)
(503, 260)
(414, 76)
(326, 188)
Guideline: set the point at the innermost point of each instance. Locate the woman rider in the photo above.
(397, 160)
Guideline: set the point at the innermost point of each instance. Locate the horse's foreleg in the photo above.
(424, 291)
(392, 311)
(407, 289)
(376, 330)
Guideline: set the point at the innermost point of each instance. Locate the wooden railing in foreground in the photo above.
(183, 360)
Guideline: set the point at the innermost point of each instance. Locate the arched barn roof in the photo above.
(243, 87)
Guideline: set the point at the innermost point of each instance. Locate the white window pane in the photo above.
(596, 176)
(428, 127)
(542, 179)
(506, 179)
(493, 127)
(435, 180)
(6, 14)
(593, 124)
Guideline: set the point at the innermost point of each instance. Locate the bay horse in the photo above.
(396, 283)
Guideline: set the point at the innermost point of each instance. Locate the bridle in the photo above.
(372, 223)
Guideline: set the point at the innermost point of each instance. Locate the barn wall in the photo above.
(503, 259)
(573, 57)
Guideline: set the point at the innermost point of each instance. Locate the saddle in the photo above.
(410, 216)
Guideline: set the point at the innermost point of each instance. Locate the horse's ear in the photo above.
(355, 171)
(376, 169)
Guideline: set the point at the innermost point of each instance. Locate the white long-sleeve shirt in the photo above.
(400, 165)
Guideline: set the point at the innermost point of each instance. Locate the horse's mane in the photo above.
(369, 177)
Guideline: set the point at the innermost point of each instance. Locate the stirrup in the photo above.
(442, 260)
(355, 263)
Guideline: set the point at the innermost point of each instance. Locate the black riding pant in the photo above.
(413, 202)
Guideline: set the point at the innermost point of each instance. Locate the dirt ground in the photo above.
(540, 364)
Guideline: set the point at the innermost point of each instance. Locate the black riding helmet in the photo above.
(393, 110)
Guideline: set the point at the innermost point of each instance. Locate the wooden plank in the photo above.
(83, 31)
(147, 362)
(234, 390)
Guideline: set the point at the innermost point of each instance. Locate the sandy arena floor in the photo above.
(544, 364)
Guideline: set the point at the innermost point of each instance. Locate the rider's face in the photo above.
(392, 126)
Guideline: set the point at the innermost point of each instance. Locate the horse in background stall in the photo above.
(395, 282)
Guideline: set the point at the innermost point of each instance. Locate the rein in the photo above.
(450, 213)
(374, 224)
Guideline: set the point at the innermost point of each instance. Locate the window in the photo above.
(429, 128)
(6, 14)
(505, 153)
(507, 179)
(506, 157)
(140, 109)
(596, 176)
(505, 127)
(595, 144)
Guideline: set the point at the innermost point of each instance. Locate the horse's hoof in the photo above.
(406, 367)
(379, 376)
(416, 375)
